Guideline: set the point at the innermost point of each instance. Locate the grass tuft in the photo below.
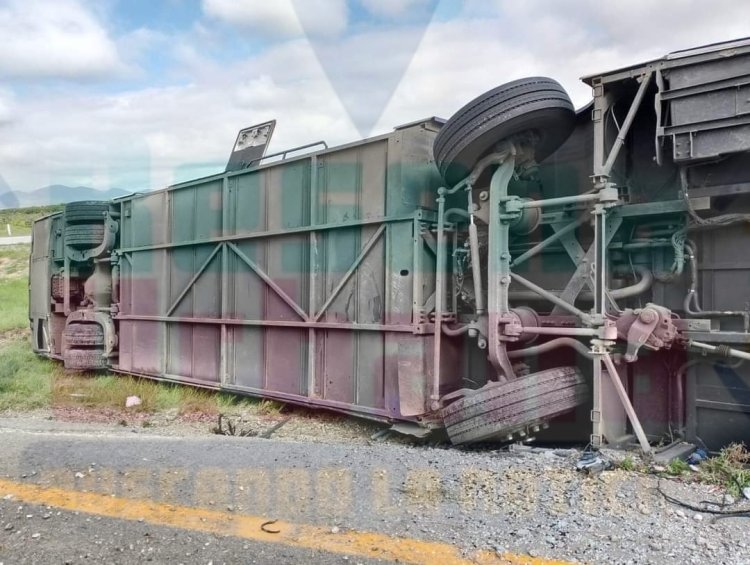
(729, 469)
(270, 408)
(227, 403)
(627, 463)
(677, 467)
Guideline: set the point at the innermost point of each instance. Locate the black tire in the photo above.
(84, 359)
(536, 104)
(58, 288)
(86, 211)
(77, 335)
(84, 236)
(499, 409)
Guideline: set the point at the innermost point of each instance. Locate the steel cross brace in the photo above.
(582, 275)
(577, 254)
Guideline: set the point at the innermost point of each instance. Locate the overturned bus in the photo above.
(519, 271)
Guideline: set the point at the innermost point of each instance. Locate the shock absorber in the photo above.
(476, 264)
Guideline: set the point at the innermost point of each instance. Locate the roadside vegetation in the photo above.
(20, 219)
(14, 265)
(25, 379)
(730, 469)
(31, 382)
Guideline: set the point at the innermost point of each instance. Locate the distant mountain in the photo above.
(56, 194)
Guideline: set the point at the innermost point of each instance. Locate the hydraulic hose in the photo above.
(692, 305)
(550, 345)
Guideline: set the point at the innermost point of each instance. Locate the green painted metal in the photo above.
(260, 280)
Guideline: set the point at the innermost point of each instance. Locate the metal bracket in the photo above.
(639, 332)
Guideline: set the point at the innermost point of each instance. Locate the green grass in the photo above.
(14, 304)
(677, 467)
(14, 291)
(111, 391)
(729, 469)
(28, 381)
(21, 219)
(14, 261)
(627, 464)
(25, 379)
(228, 403)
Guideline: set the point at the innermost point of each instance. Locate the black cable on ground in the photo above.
(718, 514)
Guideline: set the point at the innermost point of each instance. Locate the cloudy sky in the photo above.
(139, 94)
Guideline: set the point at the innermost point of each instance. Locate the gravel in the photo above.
(528, 502)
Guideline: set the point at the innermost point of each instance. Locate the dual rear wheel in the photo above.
(83, 347)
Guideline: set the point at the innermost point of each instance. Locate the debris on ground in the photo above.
(132, 401)
(593, 463)
(678, 450)
(269, 432)
(697, 456)
(265, 527)
(225, 427)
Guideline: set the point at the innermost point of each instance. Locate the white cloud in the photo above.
(153, 137)
(53, 38)
(392, 8)
(149, 137)
(640, 23)
(605, 32)
(281, 18)
(141, 41)
(6, 106)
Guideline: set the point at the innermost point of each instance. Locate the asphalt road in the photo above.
(15, 240)
(90, 494)
(96, 493)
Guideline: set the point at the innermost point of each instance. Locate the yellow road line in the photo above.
(354, 543)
